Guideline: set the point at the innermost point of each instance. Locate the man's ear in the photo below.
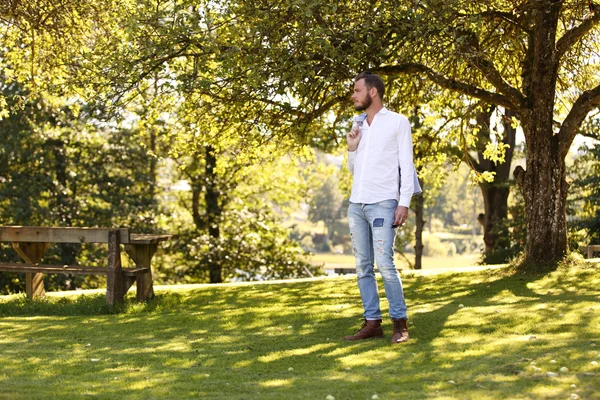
(373, 92)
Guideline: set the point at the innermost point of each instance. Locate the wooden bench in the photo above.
(31, 243)
(591, 249)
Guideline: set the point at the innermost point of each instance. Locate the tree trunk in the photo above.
(64, 208)
(543, 184)
(495, 199)
(495, 194)
(544, 188)
(420, 223)
(213, 212)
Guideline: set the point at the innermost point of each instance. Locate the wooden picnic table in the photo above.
(593, 248)
(31, 243)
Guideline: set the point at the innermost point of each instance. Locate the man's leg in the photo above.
(362, 247)
(382, 216)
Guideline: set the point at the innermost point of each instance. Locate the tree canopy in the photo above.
(257, 72)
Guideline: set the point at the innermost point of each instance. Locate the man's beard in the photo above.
(364, 105)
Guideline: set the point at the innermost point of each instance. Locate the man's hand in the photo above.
(353, 137)
(400, 216)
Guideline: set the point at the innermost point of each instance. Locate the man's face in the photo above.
(361, 97)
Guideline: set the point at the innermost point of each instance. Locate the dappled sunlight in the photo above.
(226, 342)
(242, 364)
(341, 351)
(506, 297)
(370, 358)
(295, 352)
(278, 383)
(347, 376)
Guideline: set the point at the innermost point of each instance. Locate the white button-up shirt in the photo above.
(384, 146)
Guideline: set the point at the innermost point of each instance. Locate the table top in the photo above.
(62, 234)
(142, 238)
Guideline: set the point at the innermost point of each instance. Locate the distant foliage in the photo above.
(584, 206)
(252, 246)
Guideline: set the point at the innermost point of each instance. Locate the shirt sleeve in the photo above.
(405, 162)
(351, 159)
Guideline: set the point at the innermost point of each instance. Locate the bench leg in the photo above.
(34, 284)
(144, 287)
(142, 256)
(32, 253)
(114, 277)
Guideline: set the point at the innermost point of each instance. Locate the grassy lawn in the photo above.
(335, 260)
(482, 335)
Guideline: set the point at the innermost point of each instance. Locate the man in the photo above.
(380, 157)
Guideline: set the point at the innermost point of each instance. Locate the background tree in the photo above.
(585, 196)
(325, 203)
(158, 66)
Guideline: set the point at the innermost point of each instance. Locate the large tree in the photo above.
(537, 58)
(286, 66)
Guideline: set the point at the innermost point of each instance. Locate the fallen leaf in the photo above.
(452, 382)
(551, 374)
(95, 360)
(564, 369)
(329, 397)
(374, 397)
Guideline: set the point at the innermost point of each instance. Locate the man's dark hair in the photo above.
(372, 81)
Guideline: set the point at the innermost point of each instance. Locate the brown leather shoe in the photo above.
(369, 329)
(400, 331)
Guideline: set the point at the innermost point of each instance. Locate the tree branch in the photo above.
(504, 16)
(573, 35)
(584, 104)
(451, 84)
(476, 58)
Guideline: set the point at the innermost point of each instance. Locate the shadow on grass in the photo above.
(284, 341)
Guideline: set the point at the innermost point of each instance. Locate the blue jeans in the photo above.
(373, 240)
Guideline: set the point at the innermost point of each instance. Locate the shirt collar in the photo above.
(383, 111)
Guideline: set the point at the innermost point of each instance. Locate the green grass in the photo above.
(335, 260)
(283, 341)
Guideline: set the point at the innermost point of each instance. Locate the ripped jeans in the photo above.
(373, 241)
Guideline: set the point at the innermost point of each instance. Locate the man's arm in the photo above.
(353, 139)
(407, 170)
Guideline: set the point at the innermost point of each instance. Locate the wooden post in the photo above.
(142, 256)
(32, 253)
(114, 277)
